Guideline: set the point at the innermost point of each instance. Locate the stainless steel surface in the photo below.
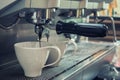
(9, 7)
(25, 5)
(107, 1)
(40, 4)
(6, 3)
(109, 72)
(89, 69)
(71, 66)
(93, 4)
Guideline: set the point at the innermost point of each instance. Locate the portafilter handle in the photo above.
(83, 29)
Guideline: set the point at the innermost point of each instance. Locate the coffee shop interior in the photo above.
(59, 40)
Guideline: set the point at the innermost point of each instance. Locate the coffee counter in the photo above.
(84, 64)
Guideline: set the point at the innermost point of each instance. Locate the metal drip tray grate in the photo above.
(69, 61)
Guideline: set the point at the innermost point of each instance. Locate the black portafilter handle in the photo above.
(82, 29)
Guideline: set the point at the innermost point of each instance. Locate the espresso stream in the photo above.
(39, 43)
(39, 40)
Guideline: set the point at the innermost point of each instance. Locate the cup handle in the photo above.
(75, 45)
(59, 55)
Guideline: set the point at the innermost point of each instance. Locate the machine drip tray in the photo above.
(87, 54)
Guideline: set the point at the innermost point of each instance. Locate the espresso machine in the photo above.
(24, 20)
(34, 16)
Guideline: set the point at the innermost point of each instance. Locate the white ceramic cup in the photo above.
(32, 58)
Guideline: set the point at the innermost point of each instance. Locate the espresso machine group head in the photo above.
(35, 17)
